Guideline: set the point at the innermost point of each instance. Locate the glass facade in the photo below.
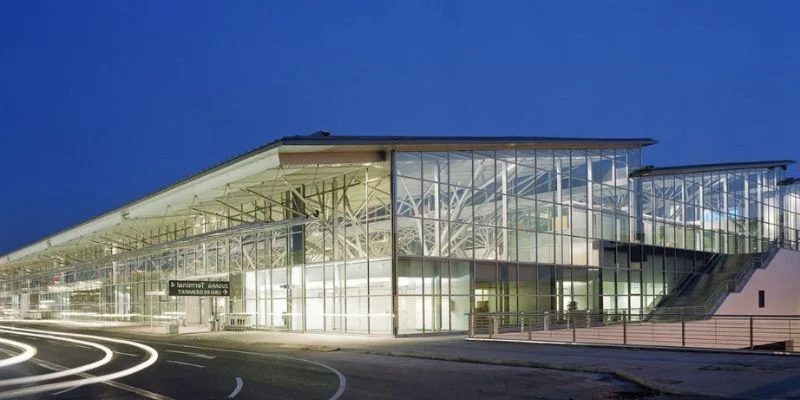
(549, 230)
(415, 243)
(512, 230)
(328, 272)
(731, 212)
(790, 218)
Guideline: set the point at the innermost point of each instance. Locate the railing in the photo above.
(691, 276)
(734, 285)
(676, 290)
(681, 286)
(786, 244)
(711, 262)
(772, 250)
(685, 312)
(656, 299)
(741, 332)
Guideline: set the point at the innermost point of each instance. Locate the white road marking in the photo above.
(60, 374)
(66, 390)
(28, 351)
(125, 354)
(239, 384)
(27, 391)
(118, 385)
(83, 347)
(342, 379)
(196, 355)
(185, 363)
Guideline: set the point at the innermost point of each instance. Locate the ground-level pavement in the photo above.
(451, 367)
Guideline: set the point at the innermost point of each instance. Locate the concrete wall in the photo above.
(780, 282)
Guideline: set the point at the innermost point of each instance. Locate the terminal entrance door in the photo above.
(202, 310)
(211, 309)
(194, 310)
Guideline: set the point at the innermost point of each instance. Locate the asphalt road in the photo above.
(184, 372)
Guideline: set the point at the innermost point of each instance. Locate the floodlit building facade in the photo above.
(407, 235)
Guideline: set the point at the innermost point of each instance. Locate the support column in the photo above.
(437, 244)
(638, 211)
(701, 207)
(504, 215)
(724, 231)
(746, 214)
(393, 196)
(781, 213)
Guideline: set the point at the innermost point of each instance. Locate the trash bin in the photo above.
(172, 328)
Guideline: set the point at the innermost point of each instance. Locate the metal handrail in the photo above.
(734, 332)
(693, 274)
(656, 299)
(682, 285)
(772, 249)
(732, 285)
(711, 261)
(610, 312)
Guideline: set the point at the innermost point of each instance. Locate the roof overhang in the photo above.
(789, 182)
(338, 154)
(699, 168)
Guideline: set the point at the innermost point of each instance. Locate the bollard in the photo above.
(572, 317)
(624, 329)
(751, 332)
(530, 329)
(683, 332)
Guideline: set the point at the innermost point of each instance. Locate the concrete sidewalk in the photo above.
(702, 373)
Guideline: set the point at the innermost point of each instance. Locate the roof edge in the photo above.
(698, 168)
(319, 138)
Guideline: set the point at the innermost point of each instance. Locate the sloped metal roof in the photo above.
(215, 180)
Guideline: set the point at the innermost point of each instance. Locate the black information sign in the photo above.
(199, 288)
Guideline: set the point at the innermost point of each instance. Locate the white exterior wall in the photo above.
(780, 281)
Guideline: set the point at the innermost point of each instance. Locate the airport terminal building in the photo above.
(407, 235)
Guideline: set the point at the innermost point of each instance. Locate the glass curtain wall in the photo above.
(791, 215)
(514, 230)
(733, 212)
(330, 273)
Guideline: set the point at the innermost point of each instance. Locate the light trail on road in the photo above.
(28, 352)
(60, 374)
(153, 357)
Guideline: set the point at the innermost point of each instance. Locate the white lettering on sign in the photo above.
(199, 288)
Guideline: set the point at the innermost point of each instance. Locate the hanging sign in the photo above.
(199, 288)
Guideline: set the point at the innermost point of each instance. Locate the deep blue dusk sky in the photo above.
(102, 102)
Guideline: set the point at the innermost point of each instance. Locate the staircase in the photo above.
(702, 292)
